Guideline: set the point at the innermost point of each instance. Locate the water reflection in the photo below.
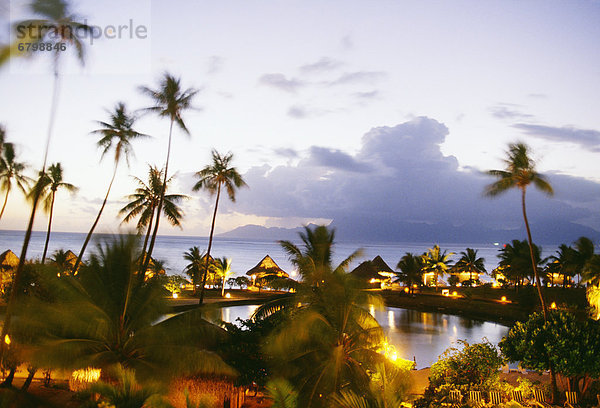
(419, 335)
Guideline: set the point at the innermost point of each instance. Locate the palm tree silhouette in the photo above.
(117, 134)
(11, 171)
(169, 101)
(470, 263)
(212, 177)
(313, 260)
(519, 173)
(144, 202)
(194, 269)
(53, 180)
(411, 267)
(436, 261)
(222, 268)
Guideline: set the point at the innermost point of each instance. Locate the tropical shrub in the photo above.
(570, 344)
(474, 367)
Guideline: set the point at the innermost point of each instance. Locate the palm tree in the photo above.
(56, 23)
(329, 342)
(520, 172)
(411, 267)
(515, 260)
(222, 269)
(470, 263)
(313, 261)
(585, 252)
(116, 134)
(105, 316)
(195, 267)
(212, 177)
(53, 180)
(11, 171)
(564, 263)
(144, 202)
(436, 262)
(169, 101)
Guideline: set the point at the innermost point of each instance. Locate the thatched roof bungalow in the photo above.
(8, 264)
(374, 273)
(267, 266)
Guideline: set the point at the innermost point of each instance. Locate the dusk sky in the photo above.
(368, 113)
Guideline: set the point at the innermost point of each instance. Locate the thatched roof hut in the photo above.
(8, 260)
(375, 271)
(267, 266)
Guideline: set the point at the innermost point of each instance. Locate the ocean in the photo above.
(245, 254)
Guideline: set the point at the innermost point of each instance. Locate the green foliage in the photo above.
(174, 283)
(243, 350)
(571, 345)
(474, 367)
(282, 393)
(106, 315)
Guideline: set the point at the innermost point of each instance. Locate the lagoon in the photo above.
(421, 336)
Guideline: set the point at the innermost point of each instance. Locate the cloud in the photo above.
(358, 77)
(302, 112)
(366, 95)
(336, 159)
(286, 152)
(508, 111)
(587, 138)
(325, 64)
(347, 42)
(399, 184)
(279, 81)
(215, 64)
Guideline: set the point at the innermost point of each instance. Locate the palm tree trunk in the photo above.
(49, 227)
(160, 204)
(143, 256)
(27, 238)
(9, 378)
(5, 200)
(30, 374)
(553, 385)
(223, 287)
(533, 263)
(210, 238)
(89, 235)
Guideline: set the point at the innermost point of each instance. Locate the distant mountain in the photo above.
(263, 233)
(556, 232)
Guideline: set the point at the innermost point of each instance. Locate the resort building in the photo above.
(374, 273)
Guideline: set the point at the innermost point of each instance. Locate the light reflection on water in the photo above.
(419, 335)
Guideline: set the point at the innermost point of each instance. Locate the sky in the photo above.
(378, 116)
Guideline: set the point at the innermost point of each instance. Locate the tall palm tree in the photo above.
(53, 181)
(520, 172)
(144, 202)
(411, 267)
(116, 134)
(170, 101)
(56, 23)
(470, 263)
(212, 178)
(436, 262)
(11, 171)
(222, 269)
(197, 265)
